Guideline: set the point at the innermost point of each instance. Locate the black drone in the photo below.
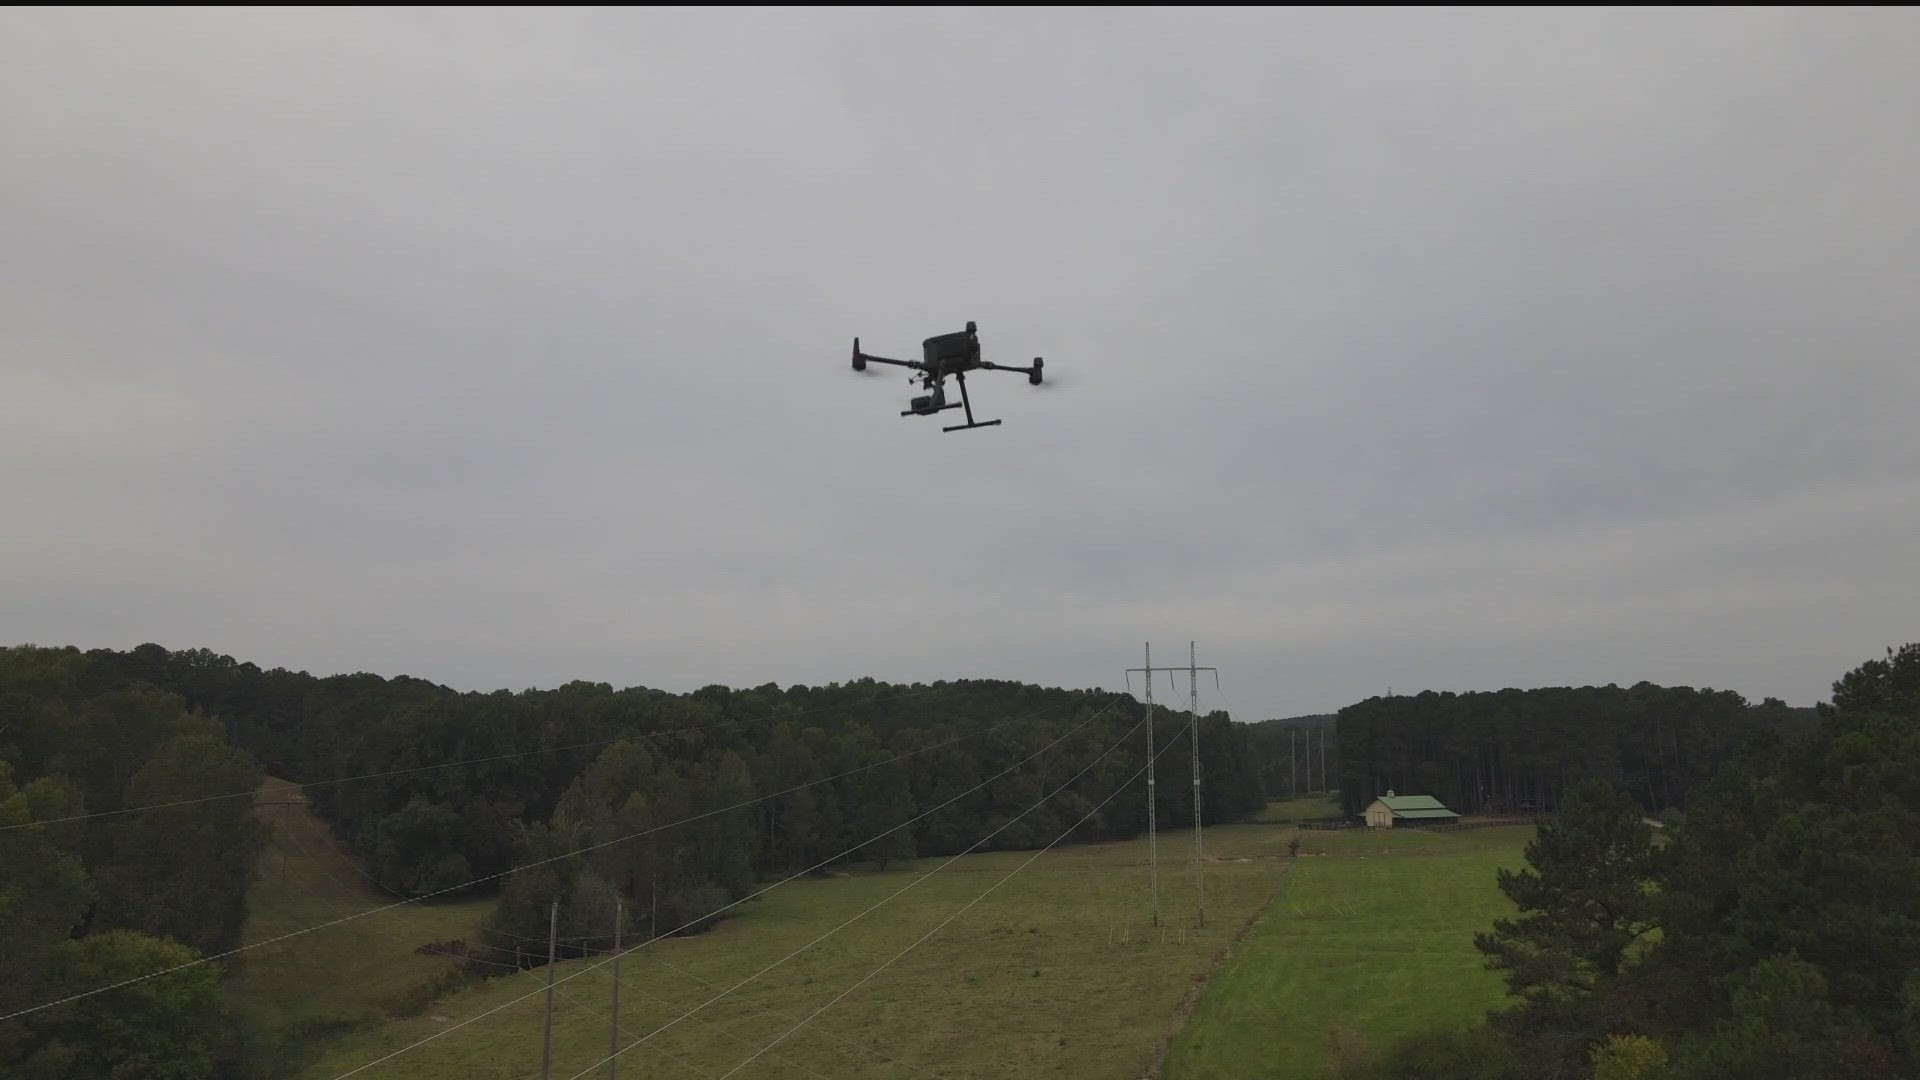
(947, 354)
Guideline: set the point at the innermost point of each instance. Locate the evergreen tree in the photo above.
(1584, 899)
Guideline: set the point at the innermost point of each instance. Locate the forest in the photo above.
(1296, 753)
(439, 792)
(1773, 932)
(1778, 921)
(1517, 751)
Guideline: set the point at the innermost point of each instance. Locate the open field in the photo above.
(1304, 808)
(1057, 973)
(292, 994)
(1372, 938)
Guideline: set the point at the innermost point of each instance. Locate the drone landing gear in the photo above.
(961, 378)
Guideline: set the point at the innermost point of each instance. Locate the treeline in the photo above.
(97, 896)
(1295, 754)
(1775, 934)
(553, 771)
(1517, 751)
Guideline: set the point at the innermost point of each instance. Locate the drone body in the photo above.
(941, 356)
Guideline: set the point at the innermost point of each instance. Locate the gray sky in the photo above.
(1432, 349)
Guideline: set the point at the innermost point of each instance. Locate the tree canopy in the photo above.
(1775, 934)
(433, 788)
(1520, 750)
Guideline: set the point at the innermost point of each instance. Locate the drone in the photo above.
(947, 354)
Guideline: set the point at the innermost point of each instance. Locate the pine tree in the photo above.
(1584, 900)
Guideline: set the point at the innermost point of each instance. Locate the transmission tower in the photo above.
(1193, 671)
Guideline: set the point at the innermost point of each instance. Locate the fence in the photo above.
(1487, 823)
(1436, 826)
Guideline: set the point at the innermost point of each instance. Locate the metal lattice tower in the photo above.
(1193, 710)
(1153, 801)
(1193, 671)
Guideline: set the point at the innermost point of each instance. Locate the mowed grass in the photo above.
(1371, 939)
(290, 995)
(1304, 808)
(1055, 973)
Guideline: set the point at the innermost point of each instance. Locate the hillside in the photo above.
(290, 995)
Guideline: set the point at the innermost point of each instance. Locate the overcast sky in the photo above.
(1424, 349)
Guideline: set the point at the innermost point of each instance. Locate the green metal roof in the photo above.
(1411, 802)
(1418, 815)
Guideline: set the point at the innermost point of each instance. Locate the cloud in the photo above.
(1436, 349)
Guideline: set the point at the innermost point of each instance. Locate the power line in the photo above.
(735, 1036)
(771, 1011)
(540, 862)
(760, 892)
(508, 757)
(329, 845)
(584, 1007)
(943, 922)
(887, 899)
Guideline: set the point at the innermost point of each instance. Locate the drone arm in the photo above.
(869, 357)
(1032, 372)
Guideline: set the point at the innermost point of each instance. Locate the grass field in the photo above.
(1304, 808)
(1056, 973)
(1371, 939)
(293, 994)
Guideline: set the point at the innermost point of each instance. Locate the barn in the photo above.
(1388, 808)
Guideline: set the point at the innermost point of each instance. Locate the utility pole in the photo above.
(1293, 763)
(1153, 844)
(1323, 754)
(1193, 710)
(613, 1020)
(1153, 841)
(553, 943)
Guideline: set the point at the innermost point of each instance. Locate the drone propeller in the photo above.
(860, 361)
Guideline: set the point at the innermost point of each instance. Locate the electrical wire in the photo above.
(539, 862)
(811, 1017)
(1009, 823)
(429, 950)
(771, 1011)
(1103, 710)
